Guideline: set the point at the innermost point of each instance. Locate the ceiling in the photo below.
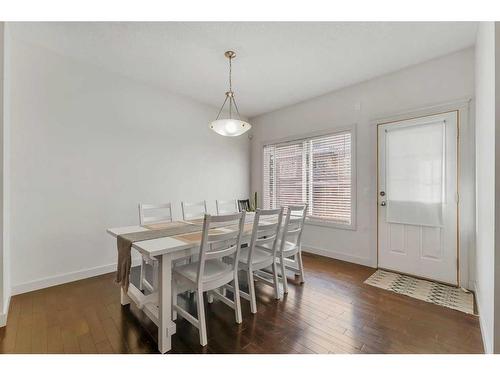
(277, 64)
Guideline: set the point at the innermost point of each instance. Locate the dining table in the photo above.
(158, 305)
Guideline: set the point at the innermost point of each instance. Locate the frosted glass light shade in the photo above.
(230, 127)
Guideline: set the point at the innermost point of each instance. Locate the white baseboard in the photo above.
(4, 314)
(66, 278)
(336, 255)
(482, 324)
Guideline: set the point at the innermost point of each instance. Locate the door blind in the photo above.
(314, 170)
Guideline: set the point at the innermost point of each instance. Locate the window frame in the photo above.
(298, 137)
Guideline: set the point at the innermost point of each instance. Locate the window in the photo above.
(314, 170)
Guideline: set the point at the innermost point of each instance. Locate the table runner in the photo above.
(124, 245)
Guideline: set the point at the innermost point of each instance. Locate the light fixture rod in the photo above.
(221, 108)
(230, 72)
(230, 55)
(236, 107)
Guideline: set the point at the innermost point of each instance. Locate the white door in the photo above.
(418, 197)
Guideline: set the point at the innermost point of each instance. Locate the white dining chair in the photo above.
(191, 211)
(210, 272)
(152, 214)
(265, 230)
(227, 207)
(289, 253)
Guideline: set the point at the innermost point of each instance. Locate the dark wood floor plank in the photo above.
(104, 347)
(39, 332)
(8, 333)
(86, 344)
(70, 341)
(333, 312)
(114, 337)
(25, 326)
(54, 340)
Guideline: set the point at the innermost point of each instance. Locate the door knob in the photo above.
(383, 203)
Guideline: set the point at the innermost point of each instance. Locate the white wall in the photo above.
(4, 289)
(442, 80)
(87, 147)
(485, 178)
(496, 310)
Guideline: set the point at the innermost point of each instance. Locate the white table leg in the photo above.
(166, 327)
(124, 298)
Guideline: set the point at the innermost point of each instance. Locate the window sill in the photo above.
(329, 224)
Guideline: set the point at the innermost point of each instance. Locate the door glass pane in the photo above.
(415, 163)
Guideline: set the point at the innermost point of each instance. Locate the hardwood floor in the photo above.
(333, 312)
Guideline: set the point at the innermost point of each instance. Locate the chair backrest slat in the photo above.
(266, 239)
(266, 226)
(266, 233)
(194, 210)
(221, 236)
(155, 213)
(290, 232)
(221, 253)
(225, 218)
(226, 207)
(295, 220)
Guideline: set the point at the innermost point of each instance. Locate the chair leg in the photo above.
(201, 318)
(296, 264)
(276, 281)
(251, 292)
(283, 276)
(301, 267)
(237, 301)
(143, 274)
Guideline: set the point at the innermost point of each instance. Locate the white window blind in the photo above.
(314, 170)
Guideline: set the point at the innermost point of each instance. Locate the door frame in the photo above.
(465, 180)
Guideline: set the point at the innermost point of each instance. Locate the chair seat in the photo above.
(214, 269)
(288, 248)
(258, 256)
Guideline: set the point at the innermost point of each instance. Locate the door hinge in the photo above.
(457, 198)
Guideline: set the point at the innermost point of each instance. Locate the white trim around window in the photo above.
(293, 139)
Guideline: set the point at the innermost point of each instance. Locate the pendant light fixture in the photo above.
(230, 127)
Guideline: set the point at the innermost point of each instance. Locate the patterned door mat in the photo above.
(429, 291)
